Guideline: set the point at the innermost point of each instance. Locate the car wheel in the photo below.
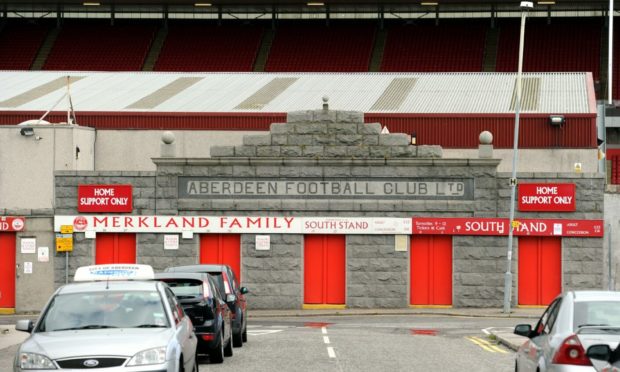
(228, 350)
(216, 355)
(237, 339)
(195, 364)
(244, 335)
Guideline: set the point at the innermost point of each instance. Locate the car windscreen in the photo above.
(596, 314)
(104, 309)
(185, 288)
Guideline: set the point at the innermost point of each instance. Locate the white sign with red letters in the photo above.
(236, 224)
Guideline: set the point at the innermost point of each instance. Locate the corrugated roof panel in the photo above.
(530, 95)
(60, 83)
(266, 94)
(486, 93)
(394, 94)
(165, 93)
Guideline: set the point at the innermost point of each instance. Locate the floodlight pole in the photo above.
(513, 178)
(610, 52)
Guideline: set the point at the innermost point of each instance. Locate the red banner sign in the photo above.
(12, 223)
(105, 198)
(547, 197)
(500, 226)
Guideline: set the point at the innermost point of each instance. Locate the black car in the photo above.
(203, 302)
(235, 295)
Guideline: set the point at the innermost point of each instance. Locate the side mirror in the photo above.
(231, 298)
(243, 290)
(523, 330)
(24, 325)
(599, 352)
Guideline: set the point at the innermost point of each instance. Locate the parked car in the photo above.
(203, 303)
(104, 321)
(235, 295)
(572, 323)
(605, 354)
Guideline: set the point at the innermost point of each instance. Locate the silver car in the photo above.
(116, 325)
(569, 326)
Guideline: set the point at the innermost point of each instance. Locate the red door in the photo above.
(431, 270)
(540, 270)
(222, 249)
(324, 269)
(115, 248)
(7, 271)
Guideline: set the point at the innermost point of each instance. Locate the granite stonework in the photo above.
(332, 145)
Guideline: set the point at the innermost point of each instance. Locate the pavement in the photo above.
(9, 336)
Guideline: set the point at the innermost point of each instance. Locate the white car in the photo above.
(569, 326)
(108, 322)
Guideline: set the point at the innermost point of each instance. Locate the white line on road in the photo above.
(331, 352)
(324, 330)
(326, 339)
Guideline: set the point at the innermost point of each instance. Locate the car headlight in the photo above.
(150, 356)
(35, 361)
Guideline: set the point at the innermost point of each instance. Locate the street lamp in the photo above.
(525, 7)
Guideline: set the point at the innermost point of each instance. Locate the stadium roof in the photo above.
(420, 93)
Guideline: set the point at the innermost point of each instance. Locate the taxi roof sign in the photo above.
(114, 272)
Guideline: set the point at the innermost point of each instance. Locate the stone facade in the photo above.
(332, 145)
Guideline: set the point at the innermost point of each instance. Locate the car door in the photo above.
(184, 331)
(531, 355)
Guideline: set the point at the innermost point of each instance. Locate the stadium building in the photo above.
(333, 155)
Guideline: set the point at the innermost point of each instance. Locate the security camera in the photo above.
(526, 5)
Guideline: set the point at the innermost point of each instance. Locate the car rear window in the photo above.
(219, 280)
(184, 288)
(597, 313)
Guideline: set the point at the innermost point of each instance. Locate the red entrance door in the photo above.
(115, 248)
(431, 270)
(540, 270)
(324, 269)
(222, 249)
(7, 270)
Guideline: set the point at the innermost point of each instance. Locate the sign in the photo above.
(104, 198)
(320, 188)
(263, 242)
(236, 224)
(43, 254)
(27, 267)
(547, 197)
(64, 243)
(171, 242)
(66, 229)
(29, 245)
(12, 223)
(500, 226)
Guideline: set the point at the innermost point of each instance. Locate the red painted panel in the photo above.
(540, 270)
(222, 249)
(421, 267)
(313, 269)
(324, 269)
(7, 270)
(431, 270)
(336, 269)
(446, 130)
(115, 248)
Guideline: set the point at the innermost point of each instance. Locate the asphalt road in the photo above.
(363, 343)
(371, 343)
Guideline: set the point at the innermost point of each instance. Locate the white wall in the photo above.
(132, 150)
(28, 162)
(537, 160)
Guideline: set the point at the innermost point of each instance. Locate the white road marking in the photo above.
(331, 352)
(324, 330)
(326, 339)
(260, 332)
